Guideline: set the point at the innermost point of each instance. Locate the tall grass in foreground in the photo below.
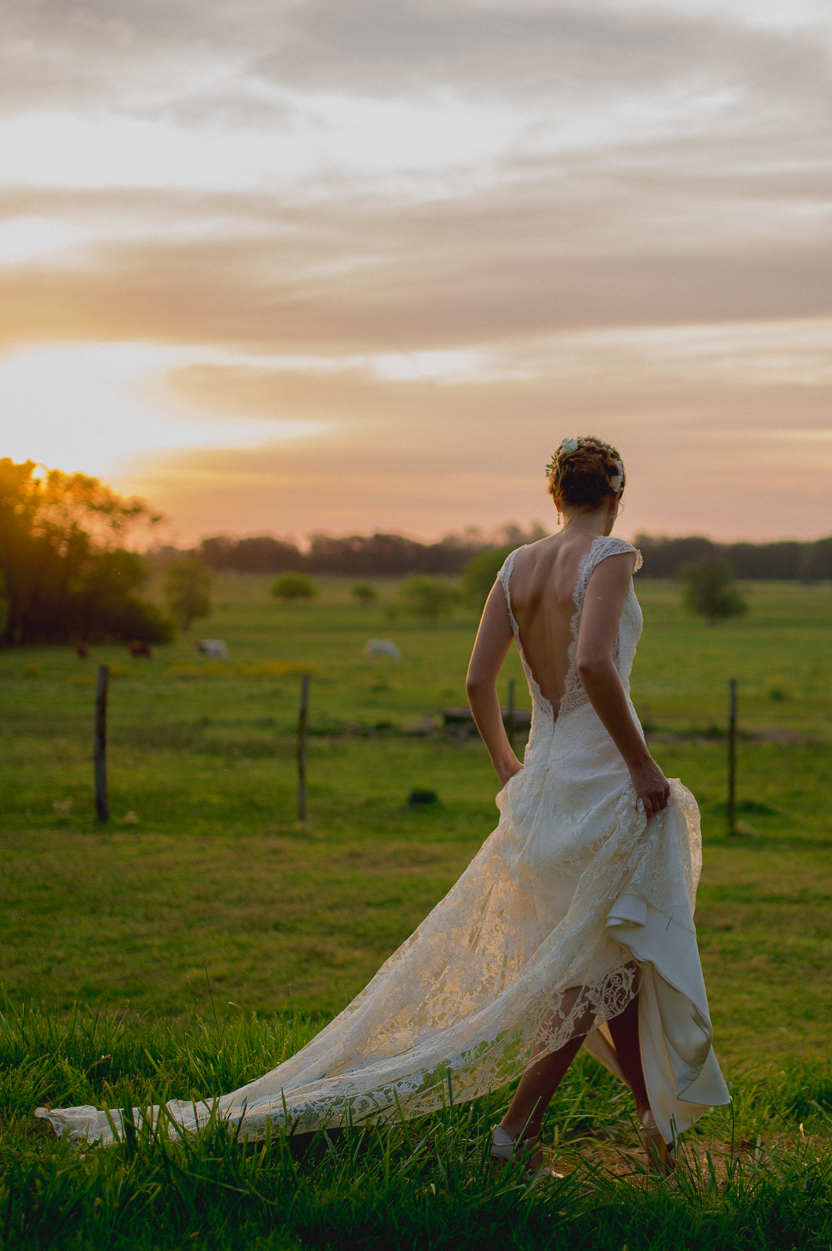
(756, 1176)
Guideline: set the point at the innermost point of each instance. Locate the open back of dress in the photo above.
(574, 889)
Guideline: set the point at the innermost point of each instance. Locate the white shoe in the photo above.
(504, 1147)
(502, 1144)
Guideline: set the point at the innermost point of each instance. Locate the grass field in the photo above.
(203, 902)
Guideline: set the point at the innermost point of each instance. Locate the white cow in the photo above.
(382, 647)
(212, 647)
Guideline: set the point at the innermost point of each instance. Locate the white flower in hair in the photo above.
(569, 445)
(615, 481)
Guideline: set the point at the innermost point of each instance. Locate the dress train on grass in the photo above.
(575, 903)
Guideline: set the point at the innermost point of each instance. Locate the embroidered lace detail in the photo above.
(629, 627)
(539, 700)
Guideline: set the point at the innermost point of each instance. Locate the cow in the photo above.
(382, 647)
(212, 647)
(138, 647)
(82, 651)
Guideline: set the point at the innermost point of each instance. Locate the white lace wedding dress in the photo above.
(574, 889)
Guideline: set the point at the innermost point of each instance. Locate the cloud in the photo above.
(394, 47)
(481, 462)
(386, 276)
(723, 428)
(610, 215)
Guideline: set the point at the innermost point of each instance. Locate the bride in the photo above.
(573, 924)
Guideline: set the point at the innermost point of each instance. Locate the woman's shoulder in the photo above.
(611, 545)
(603, 547)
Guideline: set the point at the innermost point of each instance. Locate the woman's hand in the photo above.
(652, 787)
(507, 772)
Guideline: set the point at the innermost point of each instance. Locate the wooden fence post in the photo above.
(102, 806)
(510, 726)
(302, 722)
(732, 756)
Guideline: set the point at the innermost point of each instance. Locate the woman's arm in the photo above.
(600, 679)
(494, 638)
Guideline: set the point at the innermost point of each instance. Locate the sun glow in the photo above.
(344, 269)
(93, 408)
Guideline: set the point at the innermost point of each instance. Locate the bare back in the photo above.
(543, 582)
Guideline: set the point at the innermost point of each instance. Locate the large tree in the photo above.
(66, 572)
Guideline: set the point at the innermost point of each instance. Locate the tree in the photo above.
(186, 587)
(67, 573)
(428, 598)
(710, 591)
(364, 592)
(816, 560)
(293, 586)
(4, 604)
(480, 573)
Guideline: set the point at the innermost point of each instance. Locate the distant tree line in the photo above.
(788, 560)
(356, 555)
(67, 574)
(394, 555)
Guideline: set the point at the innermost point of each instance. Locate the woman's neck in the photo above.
(597, 523)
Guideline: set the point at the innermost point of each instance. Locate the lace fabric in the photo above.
(573, 904)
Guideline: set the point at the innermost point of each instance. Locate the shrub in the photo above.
(777, 688)
(364, 592)
(710, 591)
(293, 586)
(428, 598)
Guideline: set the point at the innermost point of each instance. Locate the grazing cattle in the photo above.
(212, 647)
(138, 647)
(82, 650)
(382, 647)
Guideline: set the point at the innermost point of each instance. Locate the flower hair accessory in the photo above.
(615, 479)
(566, 446)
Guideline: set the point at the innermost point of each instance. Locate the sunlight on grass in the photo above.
(214, 936)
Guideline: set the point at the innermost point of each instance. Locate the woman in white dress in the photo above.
(570, 599)
(572, 925)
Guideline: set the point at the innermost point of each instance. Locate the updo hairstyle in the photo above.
(583, 471)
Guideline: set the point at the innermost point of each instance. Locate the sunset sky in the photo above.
(288, 265)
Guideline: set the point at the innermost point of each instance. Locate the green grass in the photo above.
(224, 934)
(426, 1183)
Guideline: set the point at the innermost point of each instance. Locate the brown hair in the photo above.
(582, 471)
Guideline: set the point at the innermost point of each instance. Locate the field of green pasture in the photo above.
(203, 902)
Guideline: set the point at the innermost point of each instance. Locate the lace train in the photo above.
(573, 904)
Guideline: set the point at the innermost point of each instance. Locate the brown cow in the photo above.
(138, 647)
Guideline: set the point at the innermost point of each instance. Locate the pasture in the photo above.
(224, 933)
